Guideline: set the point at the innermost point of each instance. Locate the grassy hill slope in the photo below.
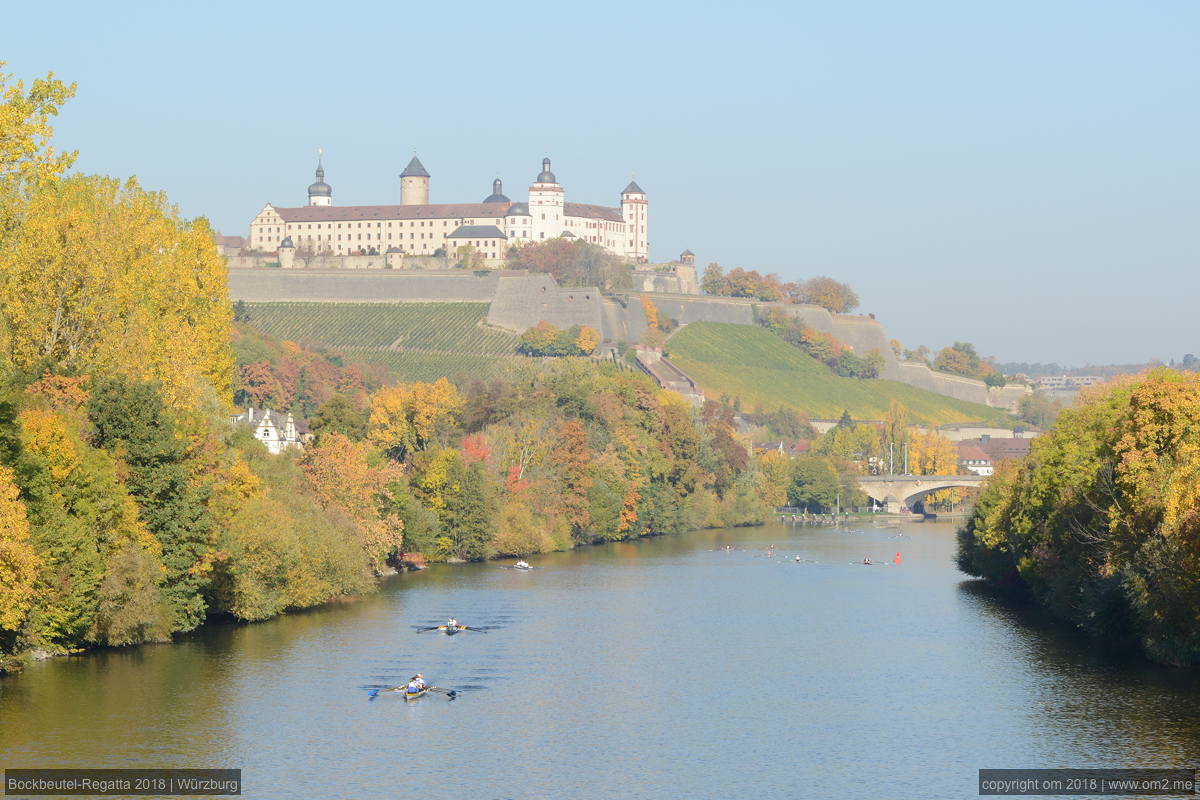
(414, 341)
(768, 373)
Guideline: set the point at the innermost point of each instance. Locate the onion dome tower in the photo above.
(497, 195)
(320, 193)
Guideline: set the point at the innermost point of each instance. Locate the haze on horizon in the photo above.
(1022, 176)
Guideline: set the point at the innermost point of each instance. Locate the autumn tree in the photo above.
(649, 311)
(930, 453)
(406, 417)
(18, 562)
(571, 456)
(343, 475)
(958, 359)
(714, 281)
(26, 156)
(587, 340)
(832, 295)
(104, 277)
(573, 263)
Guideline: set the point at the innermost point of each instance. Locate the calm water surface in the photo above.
(669, 668)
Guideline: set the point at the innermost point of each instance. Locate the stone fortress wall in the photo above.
(519, 300)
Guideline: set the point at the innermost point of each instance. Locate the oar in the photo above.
(450, 693)
(469, 628)
(433, 628)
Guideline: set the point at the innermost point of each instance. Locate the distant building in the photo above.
(418, 227)
(1068, 382)
(229, 245)
(972, 457)
(1000, 449)
(678, 277)
(968, 431)
(273, 429)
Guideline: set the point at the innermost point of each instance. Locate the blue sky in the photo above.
(1020, 175)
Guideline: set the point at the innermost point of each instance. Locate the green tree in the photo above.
(470, 511)
(814, 483)
(130, 418)
(341, 414)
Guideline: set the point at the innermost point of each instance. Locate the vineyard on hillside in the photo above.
(768, 373)
(415, 365)
(426, 327)
(414, 341)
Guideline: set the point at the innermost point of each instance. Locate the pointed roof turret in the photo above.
(497, 195)
(632, 188)
(415, 169)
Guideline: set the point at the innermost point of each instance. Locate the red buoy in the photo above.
(896, 559)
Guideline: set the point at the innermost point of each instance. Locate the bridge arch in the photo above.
(894, 491)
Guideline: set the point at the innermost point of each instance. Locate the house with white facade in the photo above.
(418, 227)
(275, 430)
(972, 457)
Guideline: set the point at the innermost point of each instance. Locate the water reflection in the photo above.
(672, 667)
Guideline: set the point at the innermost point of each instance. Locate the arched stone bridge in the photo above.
(897, 490)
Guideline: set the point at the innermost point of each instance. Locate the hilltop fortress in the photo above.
(420, 228)
(400, 254)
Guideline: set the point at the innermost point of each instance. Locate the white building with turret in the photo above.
(419, 227)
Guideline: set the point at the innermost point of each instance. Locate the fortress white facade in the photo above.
(418, 227)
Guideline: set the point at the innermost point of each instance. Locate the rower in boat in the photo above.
(416, 687)
(867, 562)
(522, 565)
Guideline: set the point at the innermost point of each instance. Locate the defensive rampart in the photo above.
(362, 286)
(520, 300)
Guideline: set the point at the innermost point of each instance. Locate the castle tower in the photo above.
(414, 184)
(634, 210)
(320, 193)
(546, 199)
(497, 195)
(287, 253)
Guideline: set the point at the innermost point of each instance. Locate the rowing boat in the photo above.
(415, 695)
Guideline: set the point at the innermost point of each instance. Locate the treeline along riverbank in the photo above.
(1101, 523)
(131, 509)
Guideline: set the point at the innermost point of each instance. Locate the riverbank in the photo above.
(889, 661)
(16, 662)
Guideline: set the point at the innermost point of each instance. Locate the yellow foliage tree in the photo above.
(25, 131)
(45, 433)
(100, 277)
(18, 562)
(930, 453)
(775, 471)
(588, 339)
(651, 312)
(405, 417)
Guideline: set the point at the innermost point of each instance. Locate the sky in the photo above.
(1020, 175)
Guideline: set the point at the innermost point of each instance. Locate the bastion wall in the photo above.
(520, 300)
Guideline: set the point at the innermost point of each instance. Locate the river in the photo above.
(665, 668)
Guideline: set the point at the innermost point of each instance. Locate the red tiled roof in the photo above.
(969, 451)
(592, 212)
(354, 213)
(231, 241)
(1006, 449)
(1000, 449)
